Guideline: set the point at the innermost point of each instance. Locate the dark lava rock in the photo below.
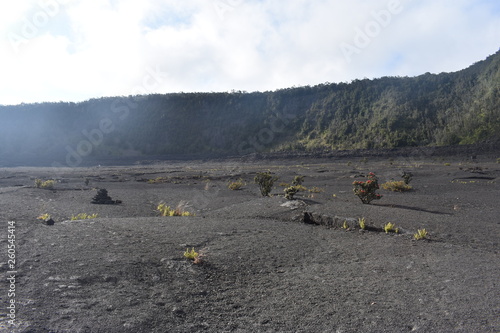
(314, 218)
(48, 221)
(103, 198)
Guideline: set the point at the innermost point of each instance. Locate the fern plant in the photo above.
(178, 211)
(362, 223)
(193, 255)
(390, 227)
(421, 234)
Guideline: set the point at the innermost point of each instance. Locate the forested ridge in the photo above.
(431, 109)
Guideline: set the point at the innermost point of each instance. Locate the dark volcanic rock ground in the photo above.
(263, 269)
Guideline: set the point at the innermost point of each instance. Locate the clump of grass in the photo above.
(44, 217)
(298, 180)
(315, 189)
(447, 164)
(178, 211)
(44, 184)
(498, 160)
(83, 216)
(236, 185)
(157, 180)
(362, 223)
(345, 225)
(456, 181)
(421, 234)
(397, 186)
(390, 227)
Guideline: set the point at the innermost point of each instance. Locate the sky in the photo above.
(75, 50)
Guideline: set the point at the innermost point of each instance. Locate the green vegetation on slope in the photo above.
(444, 109)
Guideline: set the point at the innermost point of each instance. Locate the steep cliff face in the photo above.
(432, 109)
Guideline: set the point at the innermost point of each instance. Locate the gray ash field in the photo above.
(263, 269)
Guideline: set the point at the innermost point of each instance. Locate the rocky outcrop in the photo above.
(102, 198)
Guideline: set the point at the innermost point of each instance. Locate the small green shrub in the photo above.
(366, 191)
(48, 184)
(390, 227)
(396, 186)
(265, 181)
(236, 185)
(407, 176)
(498, 160)
(298, 180)
(345, 225)
(290, 192)
(447, 164)
(83, 216)
(421, 234)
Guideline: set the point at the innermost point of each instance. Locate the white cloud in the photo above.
(78, 49)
